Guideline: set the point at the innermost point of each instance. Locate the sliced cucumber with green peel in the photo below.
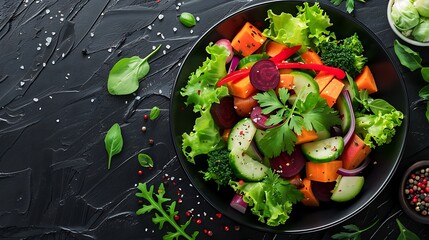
(303, 84)
(347, 188)
(323, 134)
(241, 135)
(245, 167)
(344, 110)
(323, 150)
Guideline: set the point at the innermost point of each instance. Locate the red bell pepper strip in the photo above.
(233, 76)
(340, 74)
(285, 54)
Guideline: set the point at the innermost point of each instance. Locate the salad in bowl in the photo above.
(286, 117)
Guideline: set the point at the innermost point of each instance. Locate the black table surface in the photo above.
(55, 111)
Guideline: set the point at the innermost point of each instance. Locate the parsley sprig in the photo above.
(164, 215)
(350, 4)
(309, 111)
(353, 232)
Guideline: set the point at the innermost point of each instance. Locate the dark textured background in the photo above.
(55, 111)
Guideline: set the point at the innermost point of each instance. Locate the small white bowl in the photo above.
(397, 32)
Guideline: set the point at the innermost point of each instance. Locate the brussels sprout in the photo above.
(421, 31)
(422, 7)
(404, 15)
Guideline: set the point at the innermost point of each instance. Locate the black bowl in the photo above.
(403, 197)
(303, 219)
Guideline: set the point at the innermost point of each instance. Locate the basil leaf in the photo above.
(113, 142)
(404, 233)
(145, 160)
(125, 75)
(407, 56)
(425, 73)
(380, 105)
(154, 113)
(424, 92)
(187, 19)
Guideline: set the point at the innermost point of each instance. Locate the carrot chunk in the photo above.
(309, 198)
(323, 172)
(273, 48)
(323, 79)
(332, 91)
(248, 40)
(306, 136)
(365, 80)
(242, 88)
(311, 57)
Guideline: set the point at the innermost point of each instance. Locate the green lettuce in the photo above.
(308, 28)
(271, 199)
(201, 92)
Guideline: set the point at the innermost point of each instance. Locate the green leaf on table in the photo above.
(350, 4)
(113, 142)
(407, 56)
(353, 232)
(165, 211)
(425, 73)
(154, 113)
(125, 75)
(404, 233)
(145, 160)
(427, 110)
(424, 92)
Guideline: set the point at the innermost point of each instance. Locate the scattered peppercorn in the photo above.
(144, 129)
(140, 172)
(151, 141)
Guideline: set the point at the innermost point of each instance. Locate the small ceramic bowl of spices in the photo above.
(414, 197)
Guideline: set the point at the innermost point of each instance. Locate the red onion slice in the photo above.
(356, 171)
(234, 64)
(351, 130)
(238, 203)
(227, 44)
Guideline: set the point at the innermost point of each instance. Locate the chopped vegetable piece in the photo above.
(288, 165)
(322, 190)
(355, 171)
(365, 81)
(244, 106)
(258, 118)
(227, 44)
(248, 40)
(241, 88)
(285, 54)
(331, 92)
(354, 152)
(340, 74)
(219, 169)
(223, 113)
(274, 48)
(309, 197)
(347, 188)
(311, 57)
(264, 75)
(286, 81)
(323, 79)
(234, 76)
(238, 203)
(306, 136)
(323, 172)
(249, 61)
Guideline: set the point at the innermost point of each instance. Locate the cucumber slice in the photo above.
(305, 82)
(323, 134)
(347, 188)
(323, 150)
(241, 135)
(245, 167)
(248, 61)
(344, 110)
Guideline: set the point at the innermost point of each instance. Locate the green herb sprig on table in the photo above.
(350, 4)
(163, 215)
(308, 112)
(125, 75)
(412, 60)
(404, 233)
(353, 232)
(145, 160)
(113, 142)
(154, 113)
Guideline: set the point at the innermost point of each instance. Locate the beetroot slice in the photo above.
(322, 190)
(288, 165)
(223, 113)
(264, 75)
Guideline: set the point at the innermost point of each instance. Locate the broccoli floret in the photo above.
(346, 54)
(219, 169)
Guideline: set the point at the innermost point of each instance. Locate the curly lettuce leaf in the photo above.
(203, 139)
(308, 28)
(271, 199)
(201, 90)
(378, 129)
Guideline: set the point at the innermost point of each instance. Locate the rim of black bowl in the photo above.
(404, 204)
(405, 122)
